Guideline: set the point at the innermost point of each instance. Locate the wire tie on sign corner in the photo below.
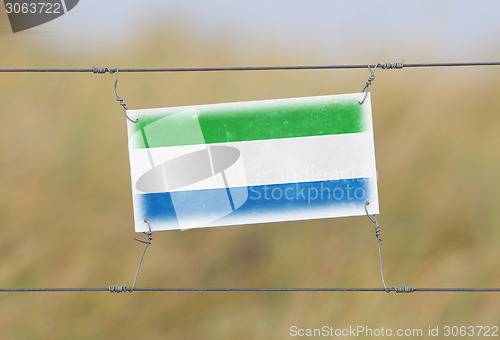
(368, 82)
(121, 289)
(147, 243)
(371, 78)
(148, 233)
(373, 218)
(118, 99)
(102, 70)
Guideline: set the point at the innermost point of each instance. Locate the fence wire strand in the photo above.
(173, 289)
(248, 68)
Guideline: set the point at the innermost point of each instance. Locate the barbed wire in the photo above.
(398, 65)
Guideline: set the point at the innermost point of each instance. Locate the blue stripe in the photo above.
(215, 206)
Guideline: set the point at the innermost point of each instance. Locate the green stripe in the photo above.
(246, 121)
(144, 138)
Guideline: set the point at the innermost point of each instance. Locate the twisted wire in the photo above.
(118, 99)
(377, 234)
(102, 70)
(379, 239)
(368, 83)
(404, 289)
(117, 289)
(392, 66)
(147, 242)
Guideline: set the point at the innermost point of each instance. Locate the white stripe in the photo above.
(274, 161)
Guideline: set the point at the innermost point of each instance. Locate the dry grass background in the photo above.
(66, 209)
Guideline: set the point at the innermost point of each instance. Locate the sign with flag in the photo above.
(252, 162)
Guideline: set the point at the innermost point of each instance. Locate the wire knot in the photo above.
(118, 289)
(147, 233)
(402, 289)
(148, 241)
(378, 232)
(392, 66)
(369, 81)
(103, 70)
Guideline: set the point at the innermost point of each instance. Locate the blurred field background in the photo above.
(66, 206)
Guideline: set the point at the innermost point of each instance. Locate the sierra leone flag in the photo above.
(252, 162)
